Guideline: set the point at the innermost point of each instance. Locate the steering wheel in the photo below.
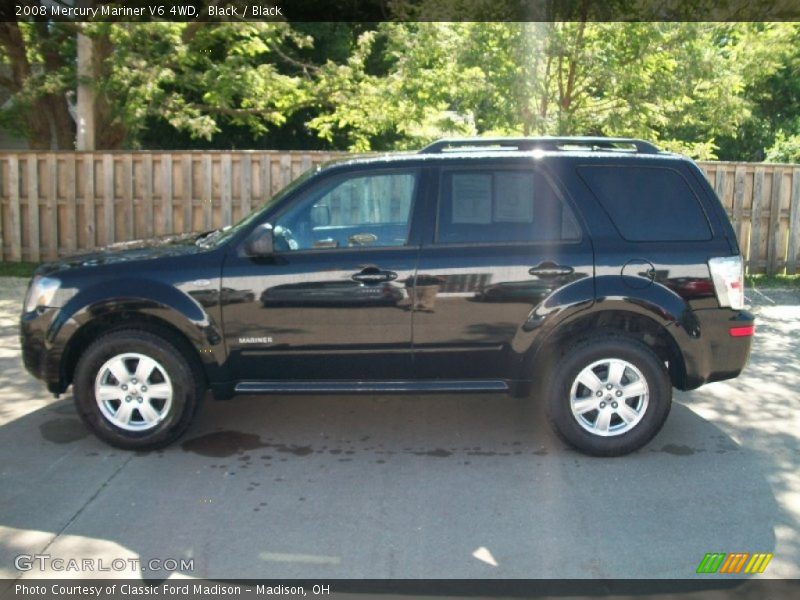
(283, 238)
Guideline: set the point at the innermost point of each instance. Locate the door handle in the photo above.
(550, 269)
(374, 275)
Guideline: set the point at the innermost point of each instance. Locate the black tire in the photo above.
(597, 349)
(184, 377)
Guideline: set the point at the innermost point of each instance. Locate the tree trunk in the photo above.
(50, 125)
(46, 117)
(110, 133)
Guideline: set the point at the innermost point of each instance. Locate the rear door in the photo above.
(502, 240)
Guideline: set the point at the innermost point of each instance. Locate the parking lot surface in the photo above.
(413, 486)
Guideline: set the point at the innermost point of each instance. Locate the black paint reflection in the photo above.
(333, 294)
(223, 296)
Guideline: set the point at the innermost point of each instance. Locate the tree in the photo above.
(676, 83)
(196, 75)
(772, 89)
(193, 76)
(689, 86)
(37, 75)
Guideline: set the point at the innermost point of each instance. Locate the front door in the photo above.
(332, 302)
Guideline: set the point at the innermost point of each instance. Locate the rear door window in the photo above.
(648, 204)
(501, 205)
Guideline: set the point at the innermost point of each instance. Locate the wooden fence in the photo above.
(58, 202)
(55, 203)
(763, 202)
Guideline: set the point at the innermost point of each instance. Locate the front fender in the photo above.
(155, 299)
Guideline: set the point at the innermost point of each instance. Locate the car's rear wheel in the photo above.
(136, 390)
(609, 395)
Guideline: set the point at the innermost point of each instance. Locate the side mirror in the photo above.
(260, 241)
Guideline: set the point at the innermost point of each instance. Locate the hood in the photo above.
(136, 250)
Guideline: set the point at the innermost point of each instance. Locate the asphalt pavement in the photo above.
(413, 486)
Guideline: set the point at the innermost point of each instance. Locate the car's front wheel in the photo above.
(609, 395)
(136, 390)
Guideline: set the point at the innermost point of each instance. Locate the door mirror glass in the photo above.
(260, 242)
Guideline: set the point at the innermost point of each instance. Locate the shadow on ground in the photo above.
(384, 487)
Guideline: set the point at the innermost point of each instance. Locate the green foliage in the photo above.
(785, 149)
(223, 71)
(35, 74)
(704, 89)
(680, 83)
(770, 63)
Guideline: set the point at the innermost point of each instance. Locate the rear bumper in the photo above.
(714, 354)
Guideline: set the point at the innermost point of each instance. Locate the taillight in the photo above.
(746, 331)
(727, 273)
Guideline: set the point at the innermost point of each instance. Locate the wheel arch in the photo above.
(647, 329)
(148, 304)
(122, 319)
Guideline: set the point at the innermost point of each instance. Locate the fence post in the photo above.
(738, 204)
(14, 211)
(187, 195)
(266, 177)
(72, 206)
(88, 200)
(147, 195)
(166, 193)
(52, 206)
(773, 231)
(109, 209)
(246, 165)
(755, 220)
(208, 199)
(225, 185)
(127, 196)
(794, 225)
(34, 235)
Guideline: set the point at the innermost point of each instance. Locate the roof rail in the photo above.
(523, 144)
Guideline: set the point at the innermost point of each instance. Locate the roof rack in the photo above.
(523, 144)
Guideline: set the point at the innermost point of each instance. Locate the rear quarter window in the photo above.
(648, 204)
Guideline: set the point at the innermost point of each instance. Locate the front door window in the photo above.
(365, 210)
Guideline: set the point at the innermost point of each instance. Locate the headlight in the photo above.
(41, 292)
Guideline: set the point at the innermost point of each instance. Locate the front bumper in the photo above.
(41, 358)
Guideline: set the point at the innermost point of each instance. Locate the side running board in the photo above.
(370, 387)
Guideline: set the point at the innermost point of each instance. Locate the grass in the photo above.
(772, 281)
(17, 269)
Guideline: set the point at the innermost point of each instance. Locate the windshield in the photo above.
(220, 236)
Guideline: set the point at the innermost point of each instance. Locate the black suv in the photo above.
(596, 273)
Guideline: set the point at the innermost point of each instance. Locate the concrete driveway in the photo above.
(409, 486)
